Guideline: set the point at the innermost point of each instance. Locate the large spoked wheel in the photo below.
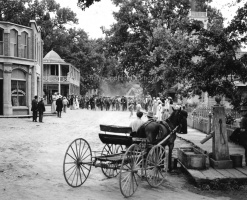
(109, 168)
(131, 167)
(77, 162)
(156, 166)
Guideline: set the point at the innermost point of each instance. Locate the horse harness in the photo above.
(164, 123)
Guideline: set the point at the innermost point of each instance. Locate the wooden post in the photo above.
(220, 158)
(193, 118)
(209, 122)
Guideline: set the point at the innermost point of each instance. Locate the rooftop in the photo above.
(53, 57)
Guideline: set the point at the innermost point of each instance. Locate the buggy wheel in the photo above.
(131, 164)
(113, 170)
(77, 162)
(156, 166)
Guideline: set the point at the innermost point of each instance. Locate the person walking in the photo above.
(35, 108)
(41, 109)
(65, 104)
(138, 107)
(59, 104)
(131, 108)
(53, 104)
(71, 101)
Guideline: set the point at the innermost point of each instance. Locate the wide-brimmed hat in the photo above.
(150, 114)
(177, 107)
(243, 108)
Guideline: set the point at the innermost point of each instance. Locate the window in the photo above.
(35, 46)
(13, 43)
(18, 88)
(24, 45)
(1, 41)
(54, 70)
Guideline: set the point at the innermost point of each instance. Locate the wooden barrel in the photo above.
(237, 160)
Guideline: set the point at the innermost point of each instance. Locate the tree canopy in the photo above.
(156, 41)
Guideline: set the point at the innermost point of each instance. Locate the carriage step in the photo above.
(106, 166)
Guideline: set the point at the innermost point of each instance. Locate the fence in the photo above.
(201, 119)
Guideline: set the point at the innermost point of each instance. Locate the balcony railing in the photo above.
(197, 14)
(50, 78)
(63, 79)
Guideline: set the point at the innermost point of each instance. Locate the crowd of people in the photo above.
(160, 108)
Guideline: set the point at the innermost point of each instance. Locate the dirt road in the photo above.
(31, 161)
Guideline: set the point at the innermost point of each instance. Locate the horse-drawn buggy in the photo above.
(132, 159)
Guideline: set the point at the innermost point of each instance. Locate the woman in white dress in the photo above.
(53, 104)
(155, 104)
(76, 103)
(159, 112)
(167, 104)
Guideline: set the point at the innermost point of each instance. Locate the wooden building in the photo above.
(59, 76)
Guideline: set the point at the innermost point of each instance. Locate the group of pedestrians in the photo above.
(38, 107)
(159, 110)
(116, 103)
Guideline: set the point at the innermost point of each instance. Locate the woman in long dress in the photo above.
(53, 104)
(159, 112)
(155, 104)
(76, 103)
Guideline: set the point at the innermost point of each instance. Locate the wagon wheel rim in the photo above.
(77, 162)
(110, 149)
(156, 166)
(129, 172)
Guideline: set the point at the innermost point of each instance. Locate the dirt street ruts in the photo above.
(32, 153)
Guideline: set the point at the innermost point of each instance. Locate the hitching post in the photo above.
(220, 158)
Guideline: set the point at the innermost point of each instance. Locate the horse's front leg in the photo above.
(171, 146)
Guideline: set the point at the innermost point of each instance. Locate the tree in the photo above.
(83, 4)
(132, 37)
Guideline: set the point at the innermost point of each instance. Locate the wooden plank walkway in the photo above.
(193, 138)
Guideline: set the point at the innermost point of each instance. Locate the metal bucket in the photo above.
(237, 160)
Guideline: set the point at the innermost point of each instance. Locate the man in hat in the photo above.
(59, 104)
(41, 109)
(239, 135)
(184, 129)
(150, 116)
(35, 108)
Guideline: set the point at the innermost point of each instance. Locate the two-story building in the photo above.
(59, 76)
(21, 53)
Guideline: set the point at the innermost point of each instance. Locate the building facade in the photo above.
(59, 76)
(21, 53)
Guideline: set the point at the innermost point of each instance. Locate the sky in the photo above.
(100, 14)
(97, 15)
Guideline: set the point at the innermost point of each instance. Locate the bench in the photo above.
(115, 135)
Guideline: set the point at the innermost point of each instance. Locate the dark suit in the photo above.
(59, 108)
(34, 109)
(184, 122)
(41, 109)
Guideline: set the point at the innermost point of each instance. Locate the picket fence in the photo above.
(201, 119)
